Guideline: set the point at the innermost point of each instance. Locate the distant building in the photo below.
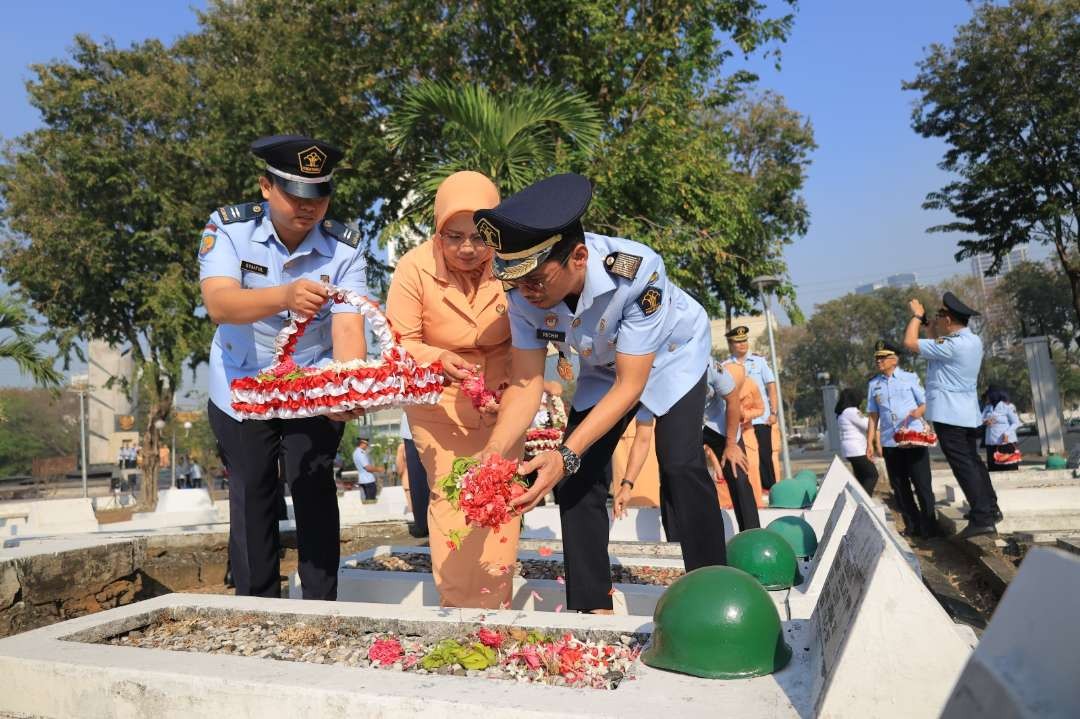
(980, 264)
(110, 414)
(902, 279)
(869, 288)
(992, 314)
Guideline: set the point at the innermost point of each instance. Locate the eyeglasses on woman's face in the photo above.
(456, 240)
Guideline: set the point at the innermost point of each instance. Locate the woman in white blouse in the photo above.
(999, 416)
(853, 427)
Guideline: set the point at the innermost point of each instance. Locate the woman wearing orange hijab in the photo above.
(447, 306)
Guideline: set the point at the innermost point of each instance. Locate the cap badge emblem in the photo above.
(490, 233)
(311, 160)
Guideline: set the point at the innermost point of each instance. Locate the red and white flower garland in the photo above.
(286, 391)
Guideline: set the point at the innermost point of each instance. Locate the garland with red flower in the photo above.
(913, 438)
(482, 491)
(285, 390)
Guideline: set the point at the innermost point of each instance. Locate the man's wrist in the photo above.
(571, 461)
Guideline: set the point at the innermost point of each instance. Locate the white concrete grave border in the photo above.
(48, 676)
(418, 588)
(1027, 664)
(877, 645)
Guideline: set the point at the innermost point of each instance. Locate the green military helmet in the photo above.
(792, 494)
(1056, 461)
(806, 474)
(798, 533)
(766, 556)
(717, 623)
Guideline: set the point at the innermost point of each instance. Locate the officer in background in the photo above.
(954, 355)
(259, 263)
(641, 341)
(723, 415)
(757, 368)
(895, 400)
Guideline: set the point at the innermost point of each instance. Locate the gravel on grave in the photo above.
(514, 653)
(524, 568)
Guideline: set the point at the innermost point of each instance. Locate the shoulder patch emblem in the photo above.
(650, 300)
(622, 264)
(240, 213)
(341, 233)
(209, 237)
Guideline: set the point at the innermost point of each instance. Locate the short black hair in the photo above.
(572, 236)
(958, 319)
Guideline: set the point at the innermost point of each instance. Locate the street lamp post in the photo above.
(159, 424)
(764, 285)
(80, 385)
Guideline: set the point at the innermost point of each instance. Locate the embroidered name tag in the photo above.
(550, 335)
(252, 267)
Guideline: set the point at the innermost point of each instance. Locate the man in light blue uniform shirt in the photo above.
(895, 400)
(261, 262)
(757, 369)
(641, 341)
(721, 434)
(954, 355)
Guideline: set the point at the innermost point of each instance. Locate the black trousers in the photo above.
(250, 451)
(763, 432)
(865, 472)
(742, 494)
(583, 497)
(419, 493)
(960, 445)
(909, 467)
(368, 488)
(992, 466)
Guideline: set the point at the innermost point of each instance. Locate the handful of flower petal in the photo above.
(475, 388)
(285, 390)
(482, 491)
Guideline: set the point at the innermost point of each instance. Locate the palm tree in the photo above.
(21, 345)
(514, 138)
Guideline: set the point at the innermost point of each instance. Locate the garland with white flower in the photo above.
(285, 390)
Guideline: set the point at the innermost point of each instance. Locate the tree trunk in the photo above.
(160, 409)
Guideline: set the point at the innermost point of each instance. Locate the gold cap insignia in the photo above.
(311, 160)
(490, 233)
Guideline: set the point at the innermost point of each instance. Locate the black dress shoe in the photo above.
(998, 516)
(417, 532)
(976, 530)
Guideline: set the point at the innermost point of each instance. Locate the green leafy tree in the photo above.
(37, 423)
(102, 206)
(21, 344)
(1035, 299)
(514, 138)
(1005, 97)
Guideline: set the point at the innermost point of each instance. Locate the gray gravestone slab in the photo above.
(1027, 664)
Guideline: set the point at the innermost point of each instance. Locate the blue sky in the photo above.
(842, 68)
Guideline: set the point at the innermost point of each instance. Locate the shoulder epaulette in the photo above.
(622, 264)
(241, 213)
(341, 233)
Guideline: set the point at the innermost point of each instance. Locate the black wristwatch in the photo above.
(571, 462)
(921, 318)
(627, 483)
